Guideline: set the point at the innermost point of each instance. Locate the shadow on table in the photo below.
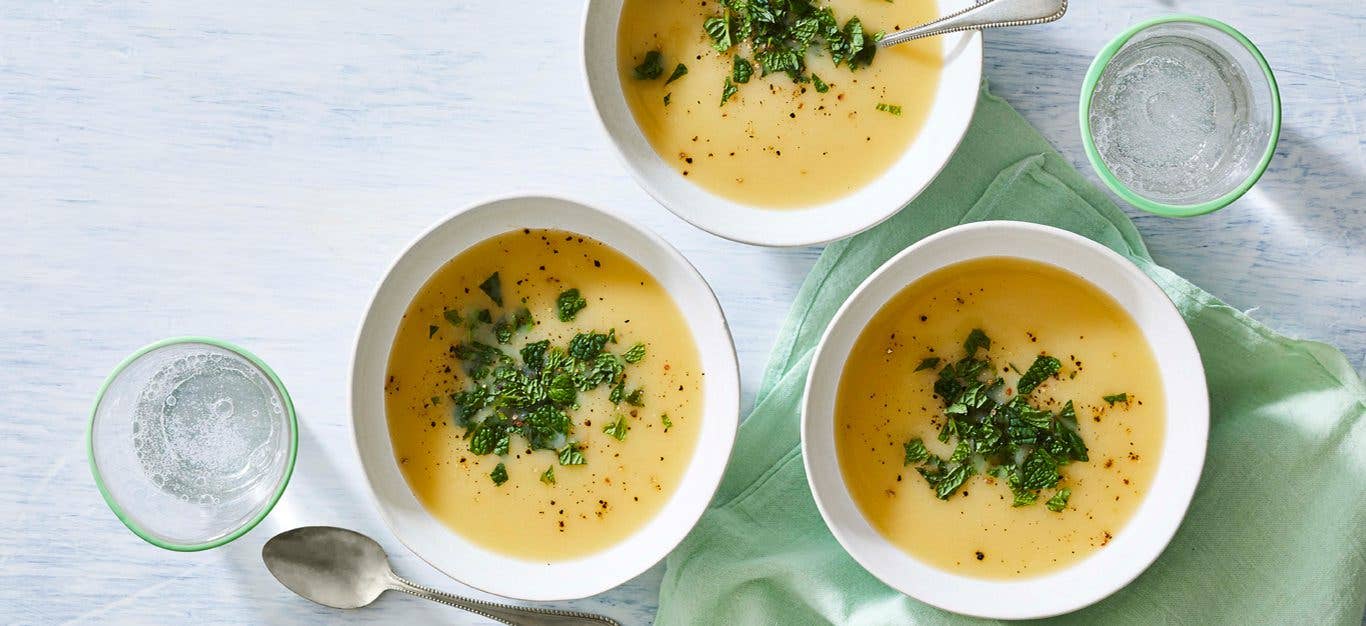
(1321, 192)
(318, 494)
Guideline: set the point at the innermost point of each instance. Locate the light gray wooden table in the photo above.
(247, 170)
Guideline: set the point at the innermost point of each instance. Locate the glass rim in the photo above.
(1088, 87)
(237, 532)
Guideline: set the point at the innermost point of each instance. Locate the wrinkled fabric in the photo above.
(1275, 533)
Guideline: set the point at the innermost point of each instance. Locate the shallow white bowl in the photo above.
(955, 100)
(1135, 547)
(467, 562)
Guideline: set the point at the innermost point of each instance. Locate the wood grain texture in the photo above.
(247, 170)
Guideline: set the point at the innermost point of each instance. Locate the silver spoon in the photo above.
(344, 569)
(987, 14)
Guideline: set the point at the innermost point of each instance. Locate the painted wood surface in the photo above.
(248, 169)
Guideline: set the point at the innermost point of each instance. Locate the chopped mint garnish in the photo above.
(1119, 397)
(570, 454)
(742, 70)
(1043, 367)
(915, 451)
(679, 71)
(493, 288)
(499, 474)
(651, 67)
(617, 429)
(727, 91)
(1059, 500)
(569, 304)
(1019, 443)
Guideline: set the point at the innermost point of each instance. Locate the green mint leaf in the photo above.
(617, 429)
(570, 454)
(1119, 397)
(668, 423)
(493, 288)
(548, 476)
(976, 339)
(1024, 498)
(1043, 367)
(820, 85)
(635, 354)
(452, 316)
(636, 398)
(651, 67)
(960, 453)
(679, 71)
(889, 108)
(667, 97)
(778, 60)
(720, 29)
(585, 346)
(915, 451)
(928, 364)
(487, 435)
(741, 70)
(569, 304)
(727, 91)
(534, 354)
(468, 404)
(1068, 436)
(502, 331)
(1059, 500)
(562, 390)
(431, 330)
(499, 474)
(604, 369)
(952, 479)
(522, 320)
(804, 30)
(484, 316)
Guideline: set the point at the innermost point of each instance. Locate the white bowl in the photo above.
(954, 102)
(467, 562)
(1135, 547)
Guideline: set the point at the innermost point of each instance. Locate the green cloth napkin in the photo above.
(1276, 531)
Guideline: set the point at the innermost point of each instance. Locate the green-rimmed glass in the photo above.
(1265, 94)
(192, 441)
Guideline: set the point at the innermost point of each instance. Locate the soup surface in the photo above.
(777, 143)
(887, 397)
(523, 501)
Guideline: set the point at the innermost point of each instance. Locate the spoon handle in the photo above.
(987, 14)
(508, 614)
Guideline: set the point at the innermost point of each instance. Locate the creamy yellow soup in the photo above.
(1026, 309)
(623, 483)
(777, 143)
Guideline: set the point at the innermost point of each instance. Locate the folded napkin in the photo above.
(1276, 532)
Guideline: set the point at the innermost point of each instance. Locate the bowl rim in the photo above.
(246, 527)
(1172, 505)
(731, 406)
(1088, 88)
(818, 223)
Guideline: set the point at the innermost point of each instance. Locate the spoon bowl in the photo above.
(334, 567)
